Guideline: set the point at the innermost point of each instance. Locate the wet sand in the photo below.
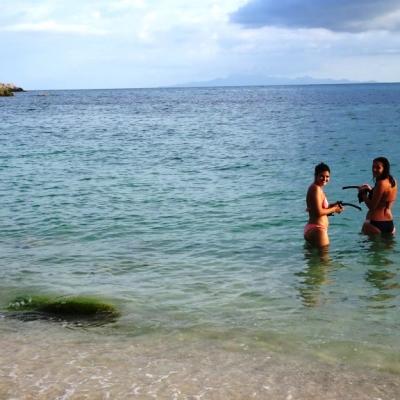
(44, 361)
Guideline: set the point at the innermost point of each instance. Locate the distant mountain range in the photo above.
(249, 80)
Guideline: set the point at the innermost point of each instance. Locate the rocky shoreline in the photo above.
(8, 89)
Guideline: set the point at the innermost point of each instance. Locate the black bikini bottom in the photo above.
(383, 226)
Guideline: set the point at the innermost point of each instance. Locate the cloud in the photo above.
(53, 27)
(334, 15)
(137, 43)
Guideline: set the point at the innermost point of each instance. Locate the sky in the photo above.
(73, 44)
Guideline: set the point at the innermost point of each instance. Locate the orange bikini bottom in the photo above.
(310, 227)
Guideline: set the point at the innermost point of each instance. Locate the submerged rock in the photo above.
(78, 310)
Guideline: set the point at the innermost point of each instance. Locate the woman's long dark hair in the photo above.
(386, 170)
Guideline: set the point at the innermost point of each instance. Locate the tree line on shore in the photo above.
(8, 89)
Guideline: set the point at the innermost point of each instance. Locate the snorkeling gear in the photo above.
(342, 204)
(360, 192)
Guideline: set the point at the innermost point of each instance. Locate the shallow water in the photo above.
(65, 364)
(185, 209)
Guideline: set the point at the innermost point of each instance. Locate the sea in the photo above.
(184, 208)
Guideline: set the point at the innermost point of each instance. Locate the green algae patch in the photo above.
(82, 310)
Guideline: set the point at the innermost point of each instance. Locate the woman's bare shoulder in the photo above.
(393, 189)
(314, 190)
(385, 186)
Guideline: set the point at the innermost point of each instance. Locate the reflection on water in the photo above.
(378, 268)
(379, 248)
(381, 273)
(315, 275)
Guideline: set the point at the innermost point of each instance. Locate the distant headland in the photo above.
(8, 89)
(264, 80)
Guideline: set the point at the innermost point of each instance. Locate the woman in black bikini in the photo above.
(379, 217)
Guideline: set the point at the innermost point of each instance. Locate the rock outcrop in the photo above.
(8, 89)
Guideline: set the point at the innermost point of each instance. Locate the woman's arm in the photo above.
(316, 197)
(372, 203)
(336, 208)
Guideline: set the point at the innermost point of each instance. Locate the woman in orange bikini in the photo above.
(379, 217)
(316, 230)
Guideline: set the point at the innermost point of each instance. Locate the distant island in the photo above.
(8, 89)
(257, 80)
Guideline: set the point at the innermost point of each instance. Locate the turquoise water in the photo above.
(185, 208)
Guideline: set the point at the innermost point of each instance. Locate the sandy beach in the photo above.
(47, 361)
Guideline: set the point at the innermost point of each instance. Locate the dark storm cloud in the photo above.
(335, 15)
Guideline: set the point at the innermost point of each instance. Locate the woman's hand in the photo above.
(338, 208)
(365, 187)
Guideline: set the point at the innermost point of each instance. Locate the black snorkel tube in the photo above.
(359, 195)
(342, 204)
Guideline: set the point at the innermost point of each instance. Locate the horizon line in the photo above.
(183, 86)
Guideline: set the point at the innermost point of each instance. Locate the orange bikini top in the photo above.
(325, 204)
